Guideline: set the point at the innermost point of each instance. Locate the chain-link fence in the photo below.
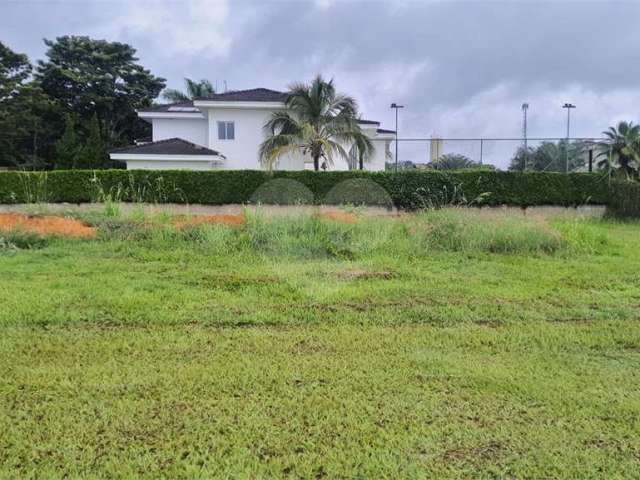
(531, 154)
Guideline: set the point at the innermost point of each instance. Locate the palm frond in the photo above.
(281, 122)
(174, 95)
(275, 146)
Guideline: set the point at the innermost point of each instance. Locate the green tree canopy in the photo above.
(195, 89)
(68, 147)
(94, 153)
(620, 151)
(550, 157)
(26, 114)
(318, 122)
(15, 69)
(95, 77)
(453, 161)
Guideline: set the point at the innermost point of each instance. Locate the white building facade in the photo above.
(224, 131)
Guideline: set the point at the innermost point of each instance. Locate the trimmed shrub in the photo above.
(282, 191)
(625, 199)
(407, 190)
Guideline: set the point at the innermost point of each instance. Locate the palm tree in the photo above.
(318, 122)
(453, 161)
(195, 89)
(621, 149)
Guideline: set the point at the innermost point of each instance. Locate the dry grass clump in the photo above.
(342, 217)
(192, 220)
(464, 230)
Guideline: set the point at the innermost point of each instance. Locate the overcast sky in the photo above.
(462, 69)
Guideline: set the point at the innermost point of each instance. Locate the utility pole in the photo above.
(568, 106)
(396, 107)
(525, 107)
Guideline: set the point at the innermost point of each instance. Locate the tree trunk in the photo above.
(361, 163)
(316, 162)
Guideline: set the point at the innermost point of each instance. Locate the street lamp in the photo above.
(396, 107)
(568, 106)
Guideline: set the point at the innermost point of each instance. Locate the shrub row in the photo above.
(408, 190)
(625, 199)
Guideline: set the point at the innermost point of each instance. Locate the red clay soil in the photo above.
(48, 225)
(234, 220)
(343, 217)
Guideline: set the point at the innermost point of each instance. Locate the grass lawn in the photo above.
(449, 344)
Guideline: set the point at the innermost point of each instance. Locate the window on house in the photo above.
(226, 131)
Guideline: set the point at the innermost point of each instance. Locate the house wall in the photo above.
(190, 129)
(169, 165)
(378, 161)
(242, 151)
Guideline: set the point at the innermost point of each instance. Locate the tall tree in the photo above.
(318, 122)
(15, 69)
(94, 153)
(68, 147)
(620, 151)
(26, 114)
(195, 89)
(88, 77)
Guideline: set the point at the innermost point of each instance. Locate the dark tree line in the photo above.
(549, 156)
(73, 106)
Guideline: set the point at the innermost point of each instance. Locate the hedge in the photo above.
(408, 189)
(625, 199)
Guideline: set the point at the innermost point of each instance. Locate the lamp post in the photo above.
(396, 107)
(568, 106)
(525, 108)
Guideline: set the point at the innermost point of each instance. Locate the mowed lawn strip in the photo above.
(373, 352)
(534, 400)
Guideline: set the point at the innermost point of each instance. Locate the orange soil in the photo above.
(235, 220)
(45, 225)
(343, 217)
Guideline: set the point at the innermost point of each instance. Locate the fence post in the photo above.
(481, 146)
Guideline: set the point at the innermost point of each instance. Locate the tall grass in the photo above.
(138, 191)
(461, 230)
(20, 240)
(313, 237)
(35, 187)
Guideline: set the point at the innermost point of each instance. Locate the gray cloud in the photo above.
(462, 68)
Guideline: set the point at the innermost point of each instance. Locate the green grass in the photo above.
(449, 344)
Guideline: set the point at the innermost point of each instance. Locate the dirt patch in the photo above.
(343, 217)
(486, 452)
(187, 221)
(233, 282)
(364, 275)
(45, 225)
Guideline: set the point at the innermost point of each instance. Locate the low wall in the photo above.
(592, 211)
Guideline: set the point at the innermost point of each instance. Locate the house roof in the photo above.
(170, 146)
(183, 107)
(252, 95)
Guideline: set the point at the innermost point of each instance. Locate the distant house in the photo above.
(224, 131)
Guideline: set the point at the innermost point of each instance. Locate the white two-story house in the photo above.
(224, 131)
